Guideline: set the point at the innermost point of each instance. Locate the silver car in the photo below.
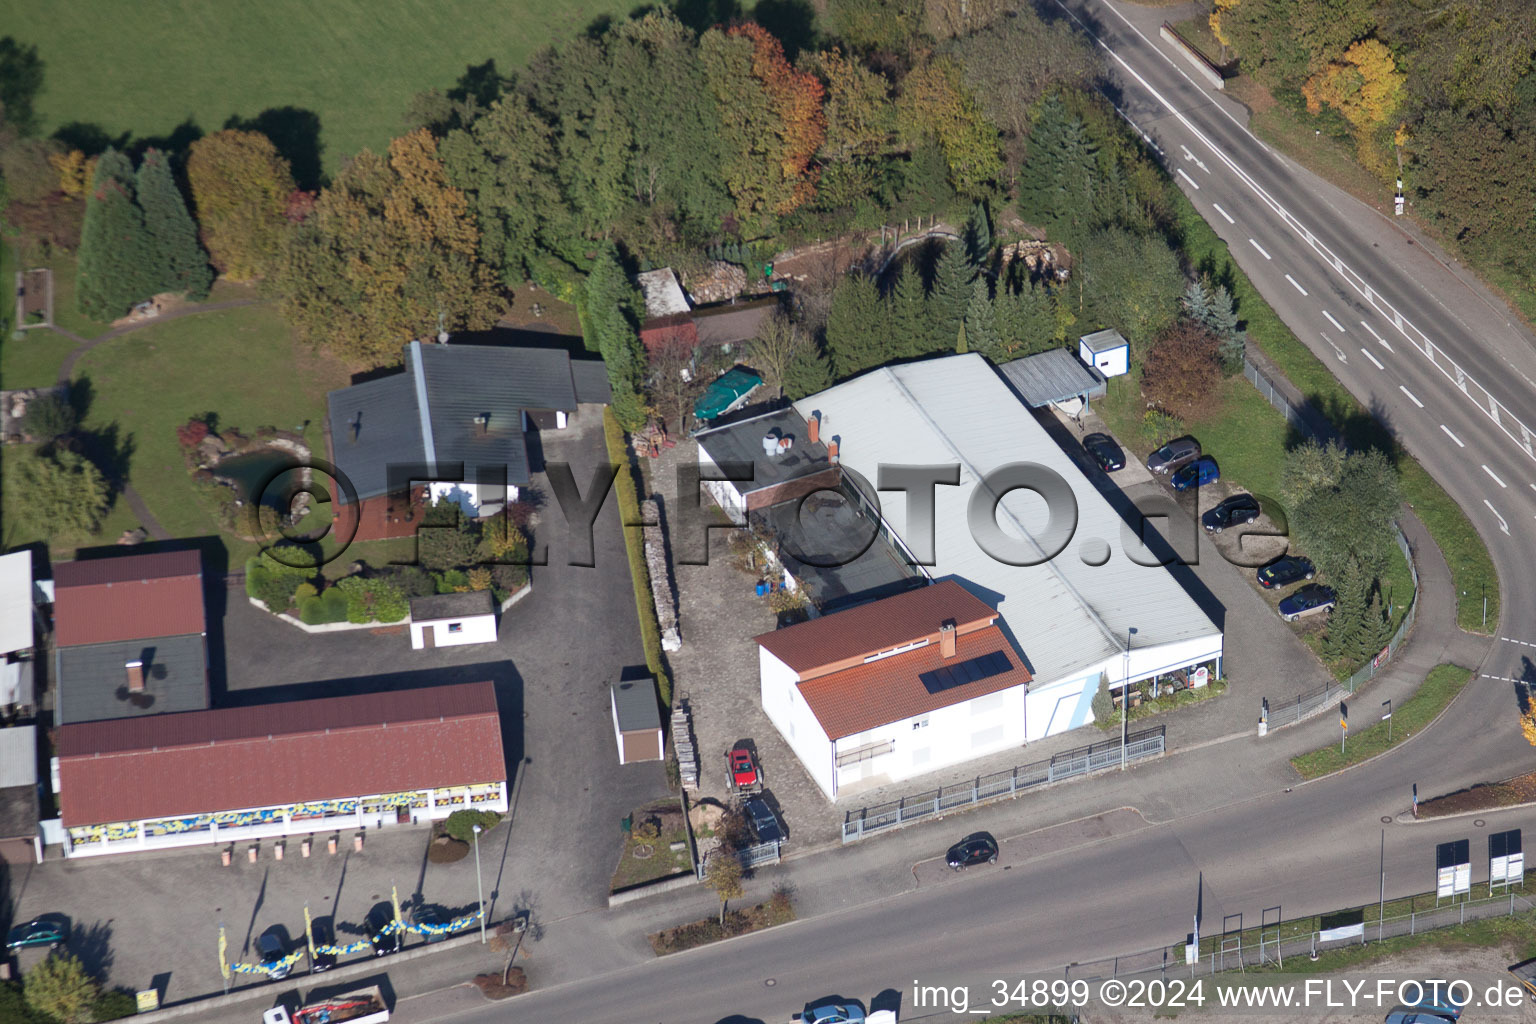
(1173, 455)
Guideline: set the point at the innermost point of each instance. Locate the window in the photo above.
(921, 723)
(455, 627)
(899, 649)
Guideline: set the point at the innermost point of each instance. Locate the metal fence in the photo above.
(1304, 417)
(1273, 942)
(750, 857)
(1304, 705)
(1003, 785)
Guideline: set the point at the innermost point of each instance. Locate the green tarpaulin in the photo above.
(724, 393)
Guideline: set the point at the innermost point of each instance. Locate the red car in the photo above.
(741, 768)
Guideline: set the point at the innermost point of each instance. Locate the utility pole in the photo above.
(479, 888)
(1125, 696)
(1381, 907)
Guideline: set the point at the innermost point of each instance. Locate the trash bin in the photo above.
(627, 823)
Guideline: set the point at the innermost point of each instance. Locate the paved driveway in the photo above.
(559, 649)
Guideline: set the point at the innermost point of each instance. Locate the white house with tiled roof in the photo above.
(894, 688)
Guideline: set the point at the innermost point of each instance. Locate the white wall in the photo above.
(788, 712)
(477, 629)
(952, 735)
(723, 491)
(1112, 363)
(472, 498)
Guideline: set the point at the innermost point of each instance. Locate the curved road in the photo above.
(1455, 379)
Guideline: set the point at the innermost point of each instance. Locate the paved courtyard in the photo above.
(558, 651)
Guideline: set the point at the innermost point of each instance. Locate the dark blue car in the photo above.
(1196, 474)
(1312, 599)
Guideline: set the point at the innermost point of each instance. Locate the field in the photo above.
(147, 70)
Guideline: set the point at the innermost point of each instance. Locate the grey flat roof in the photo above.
(18, 756)
(742, 441)
(18, 812)
(451, 606)
(1052, 376)
(591, 379)
(635, 704)
(730, 322)
(829, 531)
(1104, 341)
(93, 681)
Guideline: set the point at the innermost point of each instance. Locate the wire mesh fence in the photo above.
(1003, 785)
(1273, 943)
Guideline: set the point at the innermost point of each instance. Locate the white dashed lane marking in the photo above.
(1298, 287)
(1495, 476)
(1412, 398)
(1333, 321)
(1192, 182)
(1367, 353)
(1224, 213)
(1452, 436)
(1259, 247)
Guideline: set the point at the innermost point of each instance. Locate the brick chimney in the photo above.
(135, 676)
(947, 639)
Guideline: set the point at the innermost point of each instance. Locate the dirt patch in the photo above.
(1250, 94)
(1485, 796)
(446, 850)
(778, 910)
(534, 309)
(491, 987)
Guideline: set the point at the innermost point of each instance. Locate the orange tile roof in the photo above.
(889, 690)
(877, 626)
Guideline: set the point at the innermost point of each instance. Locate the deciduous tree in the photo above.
(778, 343)
(936, 103)
(240, 187)
(1182, 370)
(1128, 281)
(61, 494)
(610, 313)
(723, 874)
(390, 248)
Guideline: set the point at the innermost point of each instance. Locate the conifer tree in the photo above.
(981, 321)
(852, 342)
(948, 300)
(177, 261)
(807, 373)
(114, 247)
(907, 327)
(978, 237)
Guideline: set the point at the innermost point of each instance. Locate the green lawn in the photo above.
(241, 364)
(145, 69)
(1439, 688)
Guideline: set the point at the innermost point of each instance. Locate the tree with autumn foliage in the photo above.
(771, 119)
(1182, 372)
(390, 248)
(1365, 86)
(935, 103)
(241, 187)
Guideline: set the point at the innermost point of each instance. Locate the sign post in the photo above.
(1343, 725)
(1388, 718)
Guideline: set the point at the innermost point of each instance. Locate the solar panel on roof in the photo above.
(969, 671)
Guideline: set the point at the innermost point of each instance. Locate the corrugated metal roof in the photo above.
(1053, 376)
(93, 682)
(451, 606)
(892, 689)
(874, 627)
(1104, 341)
(663, 295)
(15, 601)
(635, 704)
(1065, 615)
(132, 597)
(18, 756)
(201, 761)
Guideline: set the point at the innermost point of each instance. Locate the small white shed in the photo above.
(1105, 351)
(637, 722)
(449, 620)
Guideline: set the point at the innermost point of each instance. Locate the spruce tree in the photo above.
(1196, 303)
(807, 373)
(114, 248)
(1058, 183)
(1223, 323)
(1350, 635)
(177, 262)
(949, 299)
(852, 342)
(907, 328)
(978, 237)
(981, 322)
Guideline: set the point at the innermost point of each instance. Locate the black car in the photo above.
(976, 848)
(1240, 508)
(1284, 571)
(272, 952)
(380, 920)
(1105, 452)
(323, 934)
(765, 824)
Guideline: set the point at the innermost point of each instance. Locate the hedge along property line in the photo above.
(1471, 566)
(1433, 696)
(337, 627)
(634, 545)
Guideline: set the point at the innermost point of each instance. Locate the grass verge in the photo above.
(1485, 796)
(1439, 688)
(778, 910)
(634, 544)
(1471, 566)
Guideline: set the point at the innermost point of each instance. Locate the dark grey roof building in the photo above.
(99, 681)
(454, 405)
(1057, 375)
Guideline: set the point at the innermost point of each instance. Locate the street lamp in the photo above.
(479, 890)
(1125, 695)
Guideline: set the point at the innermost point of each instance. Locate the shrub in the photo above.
(509, 579)
(461, 824)
(454, 581)
(114, 1004)
(48, 417)
(335, 604)
(479, 579)
(191, 433)
(373, 600)
(413, 580)
(303, 592)
(61, 988)
(1103, 706)
(273, 583)
(1161, 427)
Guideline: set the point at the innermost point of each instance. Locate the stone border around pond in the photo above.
(338, 627)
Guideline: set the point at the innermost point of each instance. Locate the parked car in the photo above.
(379, 918)
(1196, 474)
(765, 824)
(49, 930)
(1173, 455)
(1284, 571)
(1309, 600)
(1240, 508)
(830, 1013)
(1434, 1001)
(271, 952)
(434, 917)
(1105, 452)
(1411, 1016)
(324, 934)
(976, 848)
(741, 768)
